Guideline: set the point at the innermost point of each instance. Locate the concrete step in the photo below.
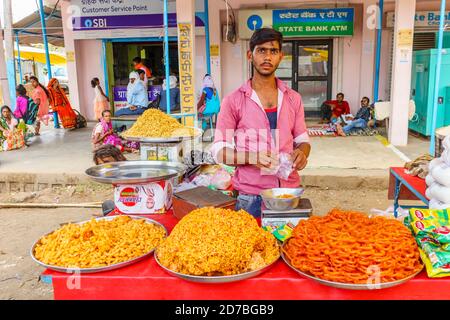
(331, 178)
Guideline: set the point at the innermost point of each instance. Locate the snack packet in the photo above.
(284, 232)
(270, 228)
(431, 223)
(432, 232)
(432, 272)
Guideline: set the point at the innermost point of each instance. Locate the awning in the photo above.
(30, 29)
(38, 55)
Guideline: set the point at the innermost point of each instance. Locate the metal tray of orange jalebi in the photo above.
(349, 286)
(96, 269)
(217, 279)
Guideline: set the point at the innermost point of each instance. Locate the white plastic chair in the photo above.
(383, 111)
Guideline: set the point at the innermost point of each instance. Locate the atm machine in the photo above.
(422, 90)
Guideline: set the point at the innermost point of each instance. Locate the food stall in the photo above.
(146, 280)
(214, 252)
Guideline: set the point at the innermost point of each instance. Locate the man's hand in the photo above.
(299, 159)
(263, 160)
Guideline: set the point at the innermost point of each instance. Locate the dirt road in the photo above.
(19, 228)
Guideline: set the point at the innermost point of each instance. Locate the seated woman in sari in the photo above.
(10, 137)
(103, 134)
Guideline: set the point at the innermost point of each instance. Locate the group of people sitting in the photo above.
(33, 101)
(337, 112)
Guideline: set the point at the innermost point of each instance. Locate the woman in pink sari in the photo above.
(40, 96)
(103, 134)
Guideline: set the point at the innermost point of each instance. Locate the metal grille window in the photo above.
(424, 41)
(421, 41)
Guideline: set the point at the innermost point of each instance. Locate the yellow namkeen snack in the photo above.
(217, 242)
(155, 123)
(99, 243)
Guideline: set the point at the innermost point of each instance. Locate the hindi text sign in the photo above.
(186, 65)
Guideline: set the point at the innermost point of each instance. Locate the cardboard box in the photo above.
(189, 200)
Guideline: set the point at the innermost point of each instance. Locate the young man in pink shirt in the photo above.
(259, 121)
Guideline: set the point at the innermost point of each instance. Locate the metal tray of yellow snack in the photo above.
(198, 133)
(350, 286)
(218, 279)
(97, 269)
(131, 172)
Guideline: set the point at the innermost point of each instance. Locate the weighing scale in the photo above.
(279, 218)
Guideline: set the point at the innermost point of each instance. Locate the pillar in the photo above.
(186, 57)
(69, 44)
(9, 51)
(215, 40)
(4, 83)
(401, 71)
(367, 69)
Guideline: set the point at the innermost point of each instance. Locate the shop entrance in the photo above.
(119, 64)
(307, 68)
(152, 55)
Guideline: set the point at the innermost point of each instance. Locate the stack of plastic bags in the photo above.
(438, 179)
(431, 229)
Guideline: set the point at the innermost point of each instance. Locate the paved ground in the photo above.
(54, 151)
(62, 152)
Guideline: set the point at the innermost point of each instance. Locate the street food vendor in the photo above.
(259, 121)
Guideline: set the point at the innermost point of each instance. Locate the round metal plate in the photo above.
(349, 286)
(97, 269)
(198, 133)
(217, 279)
(130, 172)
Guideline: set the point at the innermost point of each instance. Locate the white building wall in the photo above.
(351, 62)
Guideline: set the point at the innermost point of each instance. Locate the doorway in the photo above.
(152, 54)
(307, 68)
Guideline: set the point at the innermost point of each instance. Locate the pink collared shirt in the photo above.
(243, 125)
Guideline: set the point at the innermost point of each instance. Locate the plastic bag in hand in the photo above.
(221, 180)
(202, 180)
(286, 166)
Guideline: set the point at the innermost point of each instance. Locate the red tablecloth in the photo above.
(146, 280)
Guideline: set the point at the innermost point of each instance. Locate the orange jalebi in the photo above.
(350, 247)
